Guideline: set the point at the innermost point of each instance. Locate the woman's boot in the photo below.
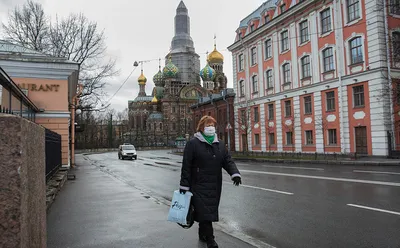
(211, 243)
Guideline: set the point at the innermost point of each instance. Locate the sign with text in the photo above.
(40, 87)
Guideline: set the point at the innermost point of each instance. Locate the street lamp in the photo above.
(228, 126)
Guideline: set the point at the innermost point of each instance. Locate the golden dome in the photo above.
(215, 57)
(142, 79)
(154, 100)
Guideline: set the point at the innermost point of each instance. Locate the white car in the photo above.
(127, 151)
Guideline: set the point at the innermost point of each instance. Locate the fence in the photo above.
(298, 155)
(53, 153)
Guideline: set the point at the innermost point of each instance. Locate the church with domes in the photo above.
(165, 115)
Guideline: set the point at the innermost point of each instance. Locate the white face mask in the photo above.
(209, 131)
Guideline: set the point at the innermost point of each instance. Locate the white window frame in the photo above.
(257, 83)
(348, 50)
(346, 15)
(396, 65)
(306, 139)
(321, 54)
(283, 73)
(301, 65)
(299, 32)
(280, 41)
(272, 78)
(240, 88)
(265, 49)
(328, 138)
(251, 56)
(319, 20)
(239, 63)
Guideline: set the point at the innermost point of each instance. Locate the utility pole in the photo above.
(110, 131)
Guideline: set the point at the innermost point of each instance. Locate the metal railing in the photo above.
(53, 153)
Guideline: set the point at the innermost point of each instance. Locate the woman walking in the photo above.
(203, 159)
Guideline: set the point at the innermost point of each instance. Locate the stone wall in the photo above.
(22, 183)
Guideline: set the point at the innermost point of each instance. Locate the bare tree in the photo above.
(75, 38)
(28, 27)
(243, 124)
(321, 123)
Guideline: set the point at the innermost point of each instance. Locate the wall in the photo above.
(22, 183)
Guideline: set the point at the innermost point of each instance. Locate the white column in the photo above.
(318, 123)
(247, 72)
(297, 124)
(314, 47)
(263, 128)
(235, 87)
(278, 134)
(275, 49)
(345, 146)
(235, 78)
(340, 51)
(260, 69)
(293, 48)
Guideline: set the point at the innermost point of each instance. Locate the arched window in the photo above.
(356, 52)
(305, 67)
(286, 73)
(327, 56)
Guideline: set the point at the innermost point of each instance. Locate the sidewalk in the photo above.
(98, 210)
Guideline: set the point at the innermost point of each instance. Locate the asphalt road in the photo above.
(285, 205)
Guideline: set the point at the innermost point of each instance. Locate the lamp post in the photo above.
(228, 126)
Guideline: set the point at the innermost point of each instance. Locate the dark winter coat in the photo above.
(202, 175)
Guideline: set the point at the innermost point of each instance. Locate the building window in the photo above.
(241, 88)
(332, 137)
(326, 21)
(271, 139)
(283, 8)
(173, 110)
(286, 73)
(243, 117)
(251, 27)
(174, 126)
(253, 55)
(271, 115)
(307, 105)
(268, 49)
(306, 67)
(309, 137)
(254, 82)
(256, 115)
(394, 7)
(356, 50)
(328, 59)
(353, 10)
(161, 127)
(358, 96)
(289, 138)
(256, 139)
(269, 79)
(330, 101)
(241, 62)
(396, 46)
(284, 41)
(304, 37)
(266, 19)
(288, 108)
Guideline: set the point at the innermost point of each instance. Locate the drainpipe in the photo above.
(385, 15)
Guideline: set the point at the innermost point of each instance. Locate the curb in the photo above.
(54, 185)
(328, 162)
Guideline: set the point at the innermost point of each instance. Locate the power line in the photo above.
(120, 87)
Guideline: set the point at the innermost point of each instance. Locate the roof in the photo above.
(214, 97)
(257, 13)
(182, 5)
(15, 51)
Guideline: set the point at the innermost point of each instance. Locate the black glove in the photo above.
(182, 191)
(237, 181)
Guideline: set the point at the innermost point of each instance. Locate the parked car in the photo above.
(127, 151)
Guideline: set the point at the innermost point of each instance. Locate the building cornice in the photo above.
(273, 24)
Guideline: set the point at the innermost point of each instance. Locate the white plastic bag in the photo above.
(179, 207)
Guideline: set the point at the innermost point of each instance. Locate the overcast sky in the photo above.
(143, 30)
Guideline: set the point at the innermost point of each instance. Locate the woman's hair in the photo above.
(205, 120)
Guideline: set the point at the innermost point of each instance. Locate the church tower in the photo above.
(183, 53)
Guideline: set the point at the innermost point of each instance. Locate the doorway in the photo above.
(361, 140)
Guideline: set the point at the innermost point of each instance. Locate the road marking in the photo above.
(265, 189)
(374, 209)
(325, 178)
(290, 167)
(377, 172)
